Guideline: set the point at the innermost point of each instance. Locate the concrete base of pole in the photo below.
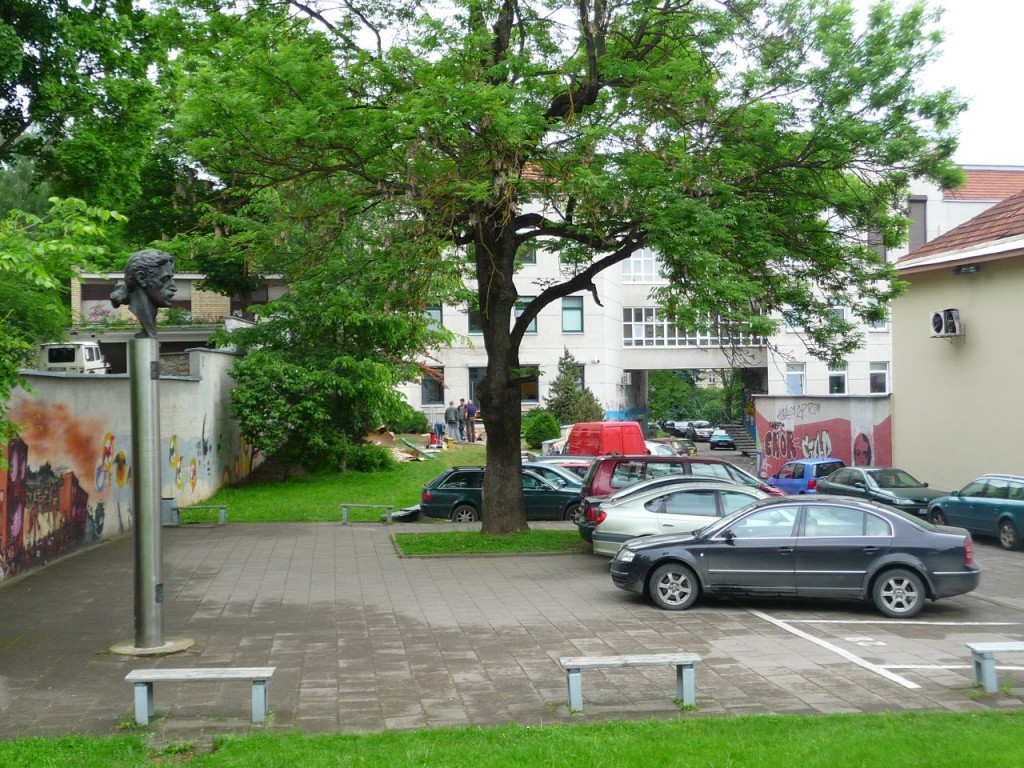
(174, 645)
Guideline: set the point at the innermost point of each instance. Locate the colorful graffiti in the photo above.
(79, 487)
(44, 512)
(815, 429)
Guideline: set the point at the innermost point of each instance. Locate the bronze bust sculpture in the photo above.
(148, 285)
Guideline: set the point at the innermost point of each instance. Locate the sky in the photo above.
(982, 59)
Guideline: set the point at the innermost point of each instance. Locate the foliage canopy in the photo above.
(753, 145)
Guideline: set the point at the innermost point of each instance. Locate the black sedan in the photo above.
(887, 485)
(804, 546)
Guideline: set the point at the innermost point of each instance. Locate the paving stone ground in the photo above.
(366, 640)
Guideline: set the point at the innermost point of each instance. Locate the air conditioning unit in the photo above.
(946, 323)
(627, 378)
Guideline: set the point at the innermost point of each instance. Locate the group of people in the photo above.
(461, 420)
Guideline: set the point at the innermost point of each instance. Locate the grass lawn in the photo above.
(318, 498)
(907, 740)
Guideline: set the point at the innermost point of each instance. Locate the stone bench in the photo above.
(143, 680)
(983, 659)
(683, 662)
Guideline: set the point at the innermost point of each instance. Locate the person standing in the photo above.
(471, 420)
(451, 420)
(462, 419)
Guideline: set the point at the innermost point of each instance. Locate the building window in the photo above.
(475, 321)
(794, 378)
(878, 378)
(880, 325)
(521, 303)
(527, 255)
(572, 314)
(432, 387)
(476, 375)
(435, 317)
(643, 266)
(648, 327)
(837, 381)
(838, 311)
(529, 387)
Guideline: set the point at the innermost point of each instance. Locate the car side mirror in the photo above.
(858, 483)
(728, 535)
(924, 485)
(954, 493)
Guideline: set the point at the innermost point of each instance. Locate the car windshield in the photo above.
(894, 478)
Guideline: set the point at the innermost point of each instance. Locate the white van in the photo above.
(72, 357)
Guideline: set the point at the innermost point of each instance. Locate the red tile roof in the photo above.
(1002, 220)
(988, 184)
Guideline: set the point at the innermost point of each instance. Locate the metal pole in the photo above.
(144, 375)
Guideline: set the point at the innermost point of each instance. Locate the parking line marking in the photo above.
(907, 621)
(943, 666)
(852, 657)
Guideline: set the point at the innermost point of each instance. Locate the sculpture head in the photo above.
(148, 284)
(152, 271)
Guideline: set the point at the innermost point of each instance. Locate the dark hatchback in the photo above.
(885, 485)
(819, 547)
(456, 494)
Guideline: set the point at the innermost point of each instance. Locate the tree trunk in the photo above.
(499, 392)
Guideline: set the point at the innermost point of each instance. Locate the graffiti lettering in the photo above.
(779, 444)
(798, 412)
(818, 446)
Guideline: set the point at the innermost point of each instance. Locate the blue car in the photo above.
(802, 475)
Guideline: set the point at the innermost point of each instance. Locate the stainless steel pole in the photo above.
(144, 375)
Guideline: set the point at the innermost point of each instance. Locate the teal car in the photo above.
(992, 505)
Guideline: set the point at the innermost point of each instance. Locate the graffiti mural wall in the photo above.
(68, 480)
(857, 430)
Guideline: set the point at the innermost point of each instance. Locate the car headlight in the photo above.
(625, 555)
(905, 502)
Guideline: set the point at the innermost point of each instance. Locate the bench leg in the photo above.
(686, 691)
(259, 701)
(985, 671)
(575, 683)
(143, 702)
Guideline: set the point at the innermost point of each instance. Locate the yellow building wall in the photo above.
(957, 403)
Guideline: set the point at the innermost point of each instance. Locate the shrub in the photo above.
(540, 428)
(407, 420)
(368, 457)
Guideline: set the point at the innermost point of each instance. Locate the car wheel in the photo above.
(674, 587)
(1008, 536)
(574, 513)
(937, 517)
(899, 593)
(464, 513)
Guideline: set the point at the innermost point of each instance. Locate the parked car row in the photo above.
(991, 505)
(678, 527)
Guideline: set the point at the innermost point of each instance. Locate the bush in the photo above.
(540, 428)
(407, 420)
(368, 457)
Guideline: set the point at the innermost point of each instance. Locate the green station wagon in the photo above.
(456, 495)
(992, 505)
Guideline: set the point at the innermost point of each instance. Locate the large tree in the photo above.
(751, 144)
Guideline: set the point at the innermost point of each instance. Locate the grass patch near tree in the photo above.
(905, 739)
(318, 497)
(474, 543)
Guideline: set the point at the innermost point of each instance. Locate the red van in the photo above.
(599, 438)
